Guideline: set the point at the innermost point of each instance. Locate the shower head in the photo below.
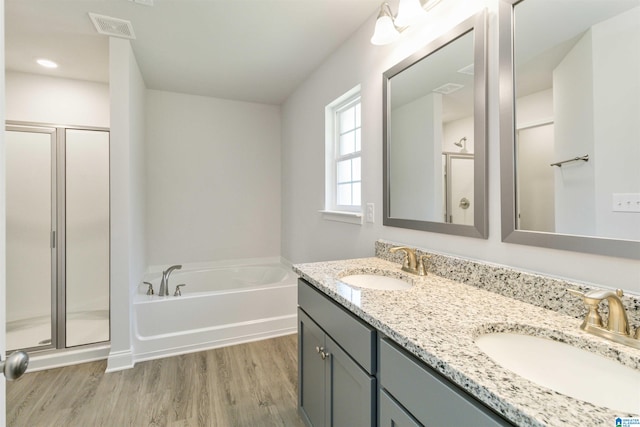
(459, 143)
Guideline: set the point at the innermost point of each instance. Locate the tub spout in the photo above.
(164, 282)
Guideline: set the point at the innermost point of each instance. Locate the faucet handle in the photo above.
(177, 293)
(593, 317)
(423, 265)
(150, 289)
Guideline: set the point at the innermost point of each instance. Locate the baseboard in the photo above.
(67, 357)
(119, 361)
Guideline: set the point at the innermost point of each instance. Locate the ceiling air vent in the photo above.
(448, 88)
(112, 26)
(467, 70)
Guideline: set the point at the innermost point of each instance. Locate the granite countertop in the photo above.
(438, 319)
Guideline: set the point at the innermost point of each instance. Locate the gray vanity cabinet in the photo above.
(417, 395)
(347, 377)
(336, 361)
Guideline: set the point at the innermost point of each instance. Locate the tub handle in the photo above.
(150, 289)
(177, 293)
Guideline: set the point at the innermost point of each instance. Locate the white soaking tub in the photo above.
(219, 306)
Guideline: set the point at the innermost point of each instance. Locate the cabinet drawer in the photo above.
(394, 415)
(352, 334)
(429, 397)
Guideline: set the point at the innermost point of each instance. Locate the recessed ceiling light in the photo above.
(47, 63)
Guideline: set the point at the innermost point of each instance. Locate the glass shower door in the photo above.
(57, 236)
(87, 236)
(30, 222)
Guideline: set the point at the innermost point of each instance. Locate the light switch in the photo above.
(370, 212)
(626, 202)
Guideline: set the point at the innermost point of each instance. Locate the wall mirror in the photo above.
(434, 125)
(570, 124)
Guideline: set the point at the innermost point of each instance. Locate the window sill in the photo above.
(343, 216)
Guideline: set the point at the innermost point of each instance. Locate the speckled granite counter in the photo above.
(438, 319)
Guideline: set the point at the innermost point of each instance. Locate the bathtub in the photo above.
(219, 306)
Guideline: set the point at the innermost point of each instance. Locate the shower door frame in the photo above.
(11, 126)
(58, 228)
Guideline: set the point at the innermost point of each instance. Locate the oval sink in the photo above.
(566, 369)
(374, 281)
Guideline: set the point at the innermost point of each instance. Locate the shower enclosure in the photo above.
(57, 236)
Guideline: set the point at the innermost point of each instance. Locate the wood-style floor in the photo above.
(251, 384)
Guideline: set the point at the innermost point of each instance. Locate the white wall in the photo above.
(416, 159)
(617, 123)
(213, 182)
(52, 100)
(573, 102)
(306, 237)
(127, 183)
(536, 179)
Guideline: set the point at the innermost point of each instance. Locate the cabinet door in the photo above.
(350, 390)
(311, 372)
(394, 415)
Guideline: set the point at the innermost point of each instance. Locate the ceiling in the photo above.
(246, 50)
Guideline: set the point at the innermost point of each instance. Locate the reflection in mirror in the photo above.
(570, 124)
(434, 135)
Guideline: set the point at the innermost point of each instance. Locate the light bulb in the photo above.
(409, 12)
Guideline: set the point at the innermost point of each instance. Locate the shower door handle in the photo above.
(15, 365)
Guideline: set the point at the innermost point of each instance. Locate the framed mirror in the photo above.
(434, 135)
(570, 124)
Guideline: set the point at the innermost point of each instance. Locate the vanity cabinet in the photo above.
(412, 394)
(336, 364)
(348, 377)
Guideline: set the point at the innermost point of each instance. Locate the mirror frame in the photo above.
(476, 23)
(510, 234)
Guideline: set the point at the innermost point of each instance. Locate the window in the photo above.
(343, 198)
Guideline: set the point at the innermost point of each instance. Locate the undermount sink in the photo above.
(566, 369)
(374, 281)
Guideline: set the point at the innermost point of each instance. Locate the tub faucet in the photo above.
(164, 282)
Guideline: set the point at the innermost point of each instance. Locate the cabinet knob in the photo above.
(323, 354)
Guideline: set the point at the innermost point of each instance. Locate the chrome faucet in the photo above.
(164, 282)
(617, 328)
(412, 263)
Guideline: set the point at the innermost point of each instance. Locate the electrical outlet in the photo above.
(626, 202)
(370, 212)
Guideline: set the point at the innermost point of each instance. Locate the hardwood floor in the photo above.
(251, 384)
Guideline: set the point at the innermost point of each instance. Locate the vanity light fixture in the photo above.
(385, 31)
(47, 63)
(388, 27)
